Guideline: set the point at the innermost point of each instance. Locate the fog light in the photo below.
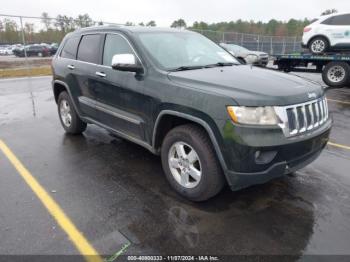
(266, 157)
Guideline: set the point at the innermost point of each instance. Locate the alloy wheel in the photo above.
(65, 113)
(185, 165)
(318, 46)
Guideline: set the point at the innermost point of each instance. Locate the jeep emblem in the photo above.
(311, 95)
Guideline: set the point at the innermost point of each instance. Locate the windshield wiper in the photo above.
(184, 68)
(220, 64)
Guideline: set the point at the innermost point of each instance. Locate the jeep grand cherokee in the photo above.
(178, 94)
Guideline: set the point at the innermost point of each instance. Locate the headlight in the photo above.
(251, 59)
(253, 115)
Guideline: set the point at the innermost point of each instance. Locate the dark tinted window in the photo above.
(89, 49)
(70, 48)
(338, 20)
(115, 44)
(34, 48)
(328, 21)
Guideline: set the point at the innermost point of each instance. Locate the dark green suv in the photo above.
(178, 94)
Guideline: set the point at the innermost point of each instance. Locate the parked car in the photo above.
(32, 50)
(6, 50)
(211, 119)
(328, 33)
(247, 56)
(53, 48)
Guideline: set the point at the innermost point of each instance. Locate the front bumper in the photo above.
(289, 158)
(262, 62)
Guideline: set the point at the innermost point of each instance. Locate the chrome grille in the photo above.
(300, 118)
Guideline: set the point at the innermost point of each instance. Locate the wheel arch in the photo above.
(319, 35)
(60, 86)
(184, 118)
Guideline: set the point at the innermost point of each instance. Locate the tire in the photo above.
(192, 138)
(319, 68)
(336, 74)
(319, 45)
(284, 67)
(69, 118)
(40, 54)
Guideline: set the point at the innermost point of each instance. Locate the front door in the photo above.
(119, 95)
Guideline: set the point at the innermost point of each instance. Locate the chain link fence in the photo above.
(272, 45)
(22, 38)
(28, 43)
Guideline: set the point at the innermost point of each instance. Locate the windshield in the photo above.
(172, 50)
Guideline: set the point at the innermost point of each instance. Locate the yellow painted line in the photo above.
(339, 101)
(80, 242)
(339, 145)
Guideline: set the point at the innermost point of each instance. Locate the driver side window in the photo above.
(115, 45)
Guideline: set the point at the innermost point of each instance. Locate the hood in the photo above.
(249, 85)
(245, 53)
(259, 53)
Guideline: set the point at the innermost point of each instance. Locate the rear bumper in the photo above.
(289, 158)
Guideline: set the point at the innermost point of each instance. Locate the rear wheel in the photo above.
(319, 45)
(336, 74)
(190, 163)
(68, 116)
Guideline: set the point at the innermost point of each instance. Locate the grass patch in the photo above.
(20, 72)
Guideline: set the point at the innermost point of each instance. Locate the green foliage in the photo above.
(129, 23)
(329, 12)
(151, 23)
(273, 27)
(54, 29)
(180, 23)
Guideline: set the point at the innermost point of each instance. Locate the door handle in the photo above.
(71, 67)
(101, 74)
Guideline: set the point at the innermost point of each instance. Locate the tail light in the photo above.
(307, 29)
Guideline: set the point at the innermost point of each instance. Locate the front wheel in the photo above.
(69, 118)
(336, 74)
(190, 163)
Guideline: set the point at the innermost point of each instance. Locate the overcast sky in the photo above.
(166, 11)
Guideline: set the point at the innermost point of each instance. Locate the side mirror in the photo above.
(127, 63)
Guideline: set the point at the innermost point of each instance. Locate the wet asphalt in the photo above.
(115, 192)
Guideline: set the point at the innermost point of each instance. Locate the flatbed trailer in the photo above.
(335, 67)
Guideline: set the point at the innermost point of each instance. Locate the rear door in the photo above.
(84, 72)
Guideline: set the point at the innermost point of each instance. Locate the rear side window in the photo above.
(70, 48)
(90, 49)
(338, 20)
(115, 45)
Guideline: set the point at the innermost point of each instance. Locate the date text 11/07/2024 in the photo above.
(173, 258)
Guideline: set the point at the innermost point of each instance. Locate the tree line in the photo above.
(54, 29)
